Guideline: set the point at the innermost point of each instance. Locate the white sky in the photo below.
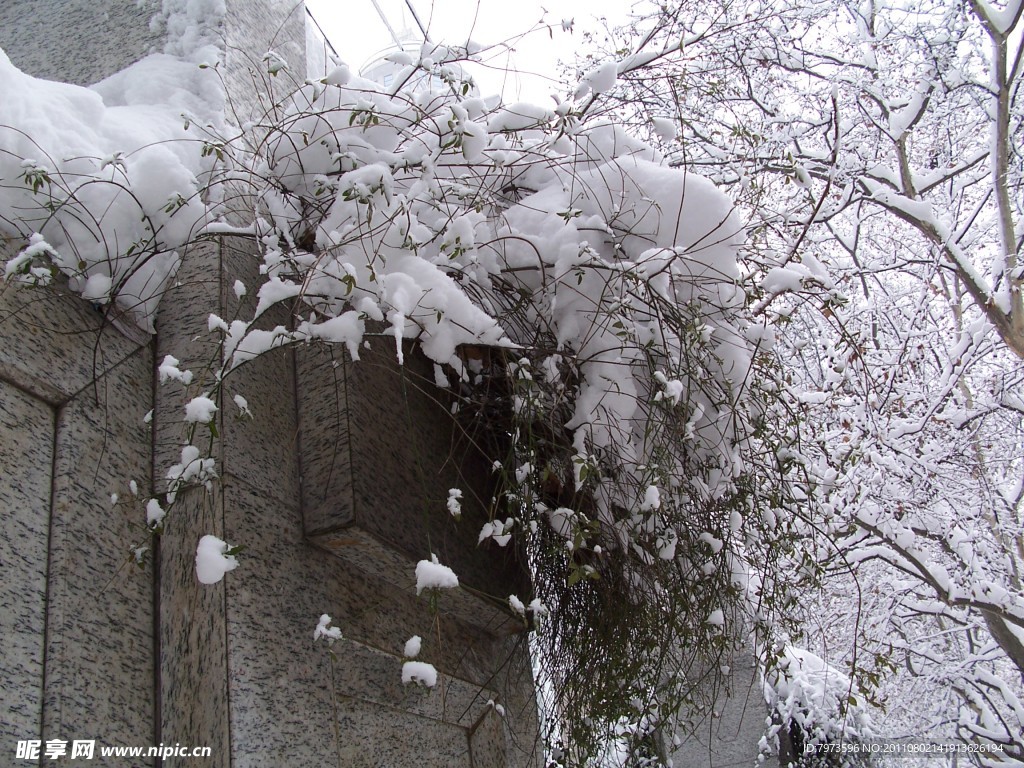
(526, 68)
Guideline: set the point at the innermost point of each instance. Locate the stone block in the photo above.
(487, 741)
(379, 451)
(183, 332)
(26, 461)
(365, 673)
(193, 679)
(287, 582)
(516, 693)
(284, 687)
(194, 672)
(54, 344)
(193, 663)
(280, 691)
(108, 35)
(99, 639)
(261, 451)
(372, 736)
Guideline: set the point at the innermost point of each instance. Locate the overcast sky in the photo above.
(357, 32)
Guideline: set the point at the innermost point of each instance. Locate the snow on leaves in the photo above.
(102, 182)
(325, 631)
(213, 559)
(430, 574)
(419, 673)
(880, 169)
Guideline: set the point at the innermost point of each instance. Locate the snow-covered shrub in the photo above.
(583, 300)
(878, 154)
(586, 300)
(813, 704)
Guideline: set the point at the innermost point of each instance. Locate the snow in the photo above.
(212, 560)
(498, 531)
(154, 513)
(419, 672)
(665, 128)
(805, 688)
(168, 370)
(339, 75)
(192, 27)
(200, 409)
(347, 329)
(516, 605)
(454, 503)
(1002, 18)
(666, 545)
(901, 118)
(243, 405)
(325, 630)
(672, 389)
(652, 499)
(782, 279)
(119, 168)
(430, 574)
(97, 288)
(716, 544)
(412, 647)
(599, 80)
(192, 468)
(603, 202)
(523, 472)
(519, 117)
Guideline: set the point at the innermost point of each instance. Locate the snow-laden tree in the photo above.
(876, 149)
(583, 299)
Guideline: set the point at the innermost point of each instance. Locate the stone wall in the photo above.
(230, 666)
(101, 649)
(728, 736)
(78, 41)
(76, 613)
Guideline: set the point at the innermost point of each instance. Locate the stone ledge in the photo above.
(379, 451)
(54, 344)
(366, 552)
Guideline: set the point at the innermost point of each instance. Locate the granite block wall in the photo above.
(372, 424)
(78, 41)
(252, 29)
(238, 667)
(100, 649)
(26, 438)
(76, 617)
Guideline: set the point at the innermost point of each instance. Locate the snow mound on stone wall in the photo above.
(109, 176)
